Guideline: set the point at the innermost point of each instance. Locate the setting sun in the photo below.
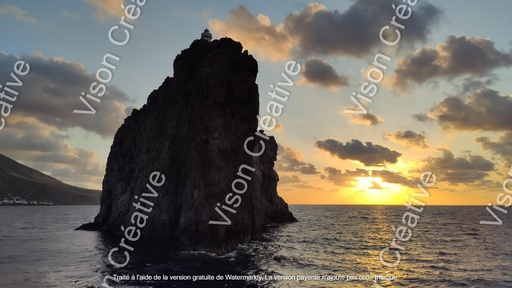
(375, 191)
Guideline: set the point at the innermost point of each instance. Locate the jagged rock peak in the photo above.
(194, 130)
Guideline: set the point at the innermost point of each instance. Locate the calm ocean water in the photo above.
(448, 248)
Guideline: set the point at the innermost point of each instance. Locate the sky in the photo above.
(436, 100)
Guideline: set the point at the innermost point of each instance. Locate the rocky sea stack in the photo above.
(194, 131)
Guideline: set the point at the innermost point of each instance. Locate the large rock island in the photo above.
(197, 138)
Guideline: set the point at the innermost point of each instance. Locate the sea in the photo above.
(330, 246)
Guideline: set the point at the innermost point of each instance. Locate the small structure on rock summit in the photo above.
(206, 35)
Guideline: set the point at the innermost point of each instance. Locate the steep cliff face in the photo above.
(193, 130)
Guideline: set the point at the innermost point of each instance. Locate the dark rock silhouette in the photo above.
(193, 130)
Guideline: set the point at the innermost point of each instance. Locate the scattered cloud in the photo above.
(408, 138)
(422, 117)
(458, 170)
(315, 30)
(279, 128)
(340, 178)
(256, 32)
(393, 177)
(368, 153)
(296, 182)
(501, 146)
(368, 119)
(457, 56)
(469, 85)
(47, 149)
(321, 73)
(107, 8)
(292, 179)
(289, 159)
(376, 185)
(17, 13)
(52, 91)
(37, 130)
(483, 110)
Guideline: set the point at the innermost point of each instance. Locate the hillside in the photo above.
(22, 182)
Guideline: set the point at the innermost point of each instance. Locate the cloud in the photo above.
(319, 72)
(354, 32)
(422, 117)
(344, 179)
(457, 56)
(279, 128)
(296, 182)
(484, 110)
(408, 138)
(367, 153)
(107, 8)
(17, 13)
(341, 178)
(467, 169)
(37, 130)
(470, 85)
(368, 119)
(46, 149)
(51, 92)
(393, 177)
(257, 33)
(289, 159)
(375, 185)
(501, 146)
(315, 30)
(292, 179)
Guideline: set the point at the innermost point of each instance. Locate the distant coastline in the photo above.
(28, 204)
(17, 201)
